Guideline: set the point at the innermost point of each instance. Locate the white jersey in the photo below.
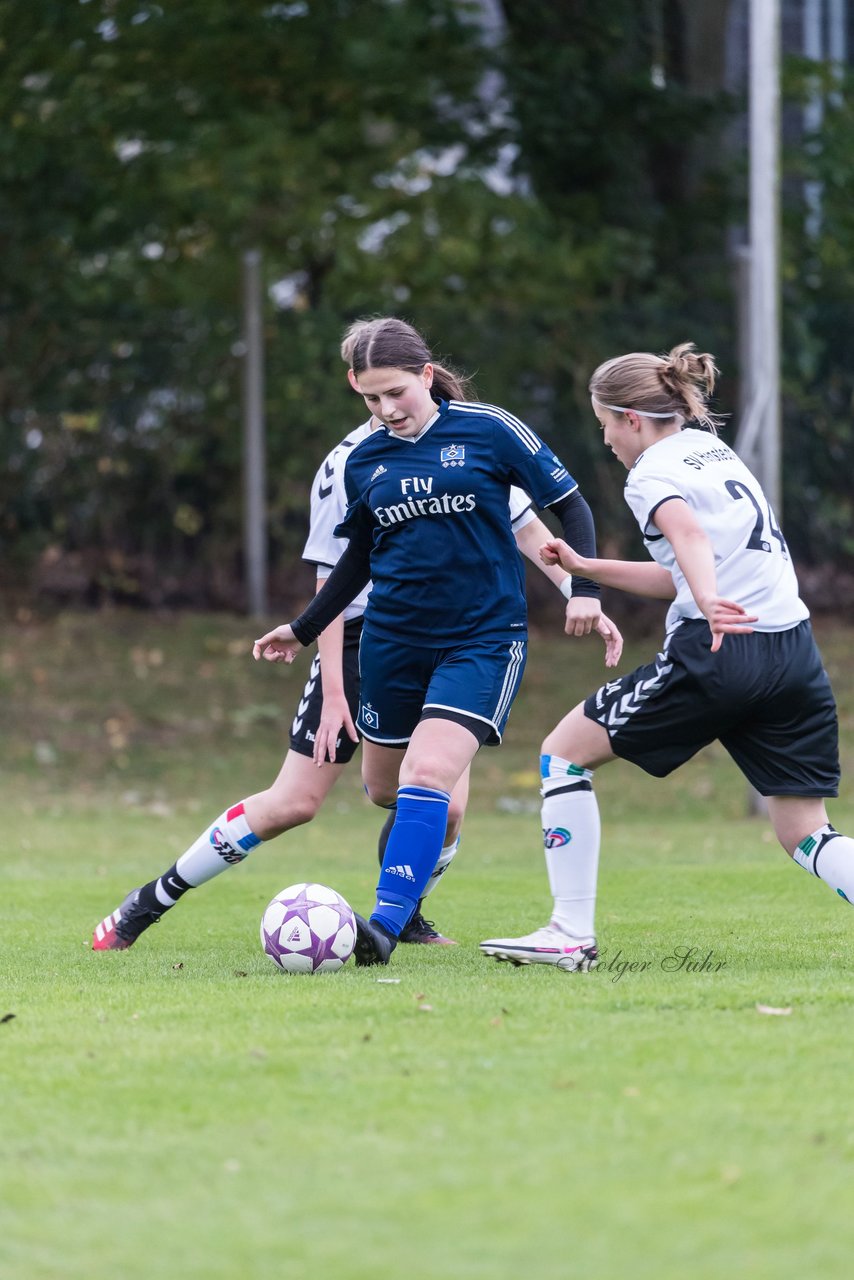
(752, 561)
(329, 506)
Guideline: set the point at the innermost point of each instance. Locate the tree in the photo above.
(148, 145)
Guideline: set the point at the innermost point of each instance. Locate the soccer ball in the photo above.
(308, 928)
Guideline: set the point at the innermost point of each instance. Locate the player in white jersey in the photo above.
(444, 641)
(323, 736)
(739, 663)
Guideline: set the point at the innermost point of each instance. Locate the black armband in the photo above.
(579, 531)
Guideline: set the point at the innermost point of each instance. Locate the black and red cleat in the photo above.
(122, 927)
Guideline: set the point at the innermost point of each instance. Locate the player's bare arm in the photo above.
(641, 578)
(696, 559)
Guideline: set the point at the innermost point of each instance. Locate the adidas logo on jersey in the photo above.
(381, 470)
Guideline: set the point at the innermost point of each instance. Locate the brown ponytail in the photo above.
(389, 343)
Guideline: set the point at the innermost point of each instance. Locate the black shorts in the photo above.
(307, 718)
(766, 697)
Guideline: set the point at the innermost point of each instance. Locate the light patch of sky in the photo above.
(298, 9)
(416, 174)
(129, 148)
(374, 237)
(287, 292)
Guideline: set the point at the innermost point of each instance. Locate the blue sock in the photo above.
(412, 852)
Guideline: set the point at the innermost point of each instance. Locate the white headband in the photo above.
(644, 413)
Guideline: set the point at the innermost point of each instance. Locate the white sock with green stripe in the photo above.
(571, 835)
(829, 855)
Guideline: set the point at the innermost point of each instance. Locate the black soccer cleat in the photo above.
(373, 944)
(122, 927)
(417, 929)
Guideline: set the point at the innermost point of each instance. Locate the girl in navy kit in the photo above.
(323, 736)
(445, 631)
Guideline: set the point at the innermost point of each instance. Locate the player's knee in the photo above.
(425, 772)
(381, 794)
(287, 812)
(555, 744)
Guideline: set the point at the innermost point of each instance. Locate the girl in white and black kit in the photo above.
(739, 663)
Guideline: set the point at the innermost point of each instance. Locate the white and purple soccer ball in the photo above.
(308, 928)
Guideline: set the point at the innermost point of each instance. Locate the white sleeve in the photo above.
(521, 509)
(328, 505)
(645, 494)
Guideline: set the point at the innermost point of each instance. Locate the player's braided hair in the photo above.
(388, 343)
(678, 384)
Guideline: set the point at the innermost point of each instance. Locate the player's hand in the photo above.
(610, 633)
(583, 614)
(556, 551)
(334, 715)
(278, 645)
(725, 617)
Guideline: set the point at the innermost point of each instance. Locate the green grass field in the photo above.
(183, 1109)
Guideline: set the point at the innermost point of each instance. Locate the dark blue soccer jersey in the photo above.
(444, 561)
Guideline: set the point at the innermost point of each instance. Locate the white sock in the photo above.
(225, 843)
(829, 855)
(571, 835)
(444, 860)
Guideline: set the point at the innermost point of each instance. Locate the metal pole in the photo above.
(254, 451)
(759, 436)
(837, 43)
(765, 238)
(813, 113)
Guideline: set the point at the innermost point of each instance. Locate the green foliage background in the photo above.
(535, 199)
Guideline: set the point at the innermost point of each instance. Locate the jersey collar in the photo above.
(414, 439)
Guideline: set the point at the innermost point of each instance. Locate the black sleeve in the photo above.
(579, 531)
(350, 575)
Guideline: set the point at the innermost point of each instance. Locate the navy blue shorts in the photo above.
(766, 697)
(307, 719)
(473, 684)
